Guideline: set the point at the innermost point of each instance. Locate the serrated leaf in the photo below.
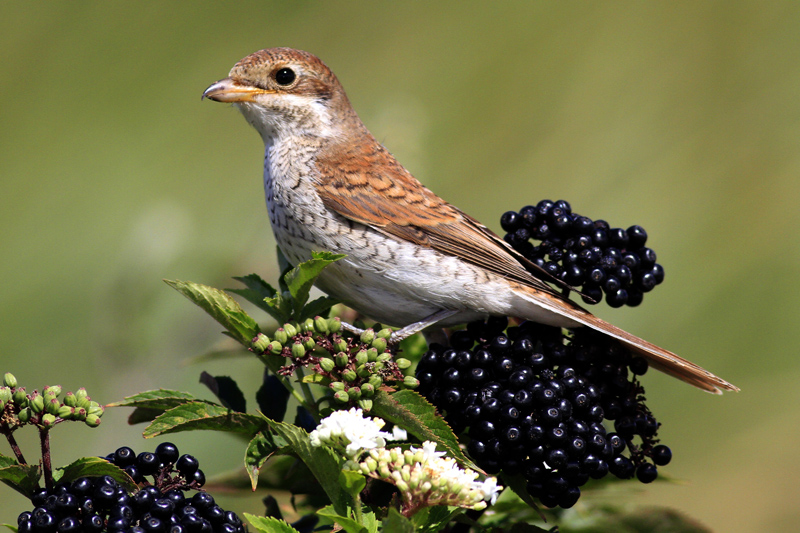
(352, 482)
(221, 307)
(22, 478)
(397, 523)
(415, 414)
(143, 414)
(260, 448)
(156, 399)
(7, 461)
(321, 461)
(226, 390)
(92, 467)
(201, 415)
(268, 524)
(319, 307)
(256, 292)
(347, 524)
(300, 279)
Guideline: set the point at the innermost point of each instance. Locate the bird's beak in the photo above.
(230, 90)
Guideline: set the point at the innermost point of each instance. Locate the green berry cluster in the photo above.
(45, 409)
(353, 367)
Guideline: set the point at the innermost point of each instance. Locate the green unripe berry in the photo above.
(376, 381)
(367, 336)
(321, 325)
(281, 336)
(19, 397)
(367, 390)
(384, 357)
(327, 364)
(410, 382)
(308, 325)
(349, 375)
(337, 386)
(309, 344)
(340, 345)
(81, 393)
(66, 412)
(37, 402)
(52, 406)
(48, 420)
(261, 343)
(9, 380)
(275, 348)
(402, 363)
(5, 395)
(298, 350)
(290, 329)
(52, 390)
(372, 355)
(341, 397)
(380, 344)
(362, 357)
(385, 333)
(25, 415)
(354, 393)
(80, 413)
(70, 399)
(377, 366)
(341, 359)
(365, 404)
(97, 410)
(92, 421)
(363, 371)
(334, 324)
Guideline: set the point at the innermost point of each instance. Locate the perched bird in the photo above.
(412, 260)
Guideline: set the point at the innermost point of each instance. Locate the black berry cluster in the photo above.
(585, 254)
(533, 400)
(100, 504)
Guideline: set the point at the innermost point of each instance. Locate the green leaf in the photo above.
(7, 461)
(269, 524)
(432, 519)
(352, 482)
(260, 448)
(92, 467)
(12, 528)
(347, 524)
(397, 523)
(143, 414)
(22, 478)
(156, 399)
(257, 290)
(221, 307)
(300, 279)
(201, 415)
(321, 461)
(416, 415)
(226, 390)
(517, 483)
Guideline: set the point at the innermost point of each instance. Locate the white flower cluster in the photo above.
(426, 477)
(353, 432)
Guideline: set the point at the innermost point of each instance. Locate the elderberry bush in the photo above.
(585, 254)
(540, 401)
(99, 504)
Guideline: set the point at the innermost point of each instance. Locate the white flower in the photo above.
(349, 429)
(489, 488)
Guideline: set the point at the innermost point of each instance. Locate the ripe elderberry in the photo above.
(542, 399)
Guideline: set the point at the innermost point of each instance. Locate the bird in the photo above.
(412, 260)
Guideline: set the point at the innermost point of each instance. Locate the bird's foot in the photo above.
(404, 333)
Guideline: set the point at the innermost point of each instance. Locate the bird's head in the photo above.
(286, 92)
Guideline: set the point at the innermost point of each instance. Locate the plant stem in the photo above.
(44, 438)
(9, 433)
(309, 403)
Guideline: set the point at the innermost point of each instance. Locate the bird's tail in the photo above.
(659, 358)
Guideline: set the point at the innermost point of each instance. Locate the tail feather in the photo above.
(659, 358)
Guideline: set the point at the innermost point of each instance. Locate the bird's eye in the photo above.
(285, 76)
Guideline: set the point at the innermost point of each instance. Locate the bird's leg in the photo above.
(416, 327)
(409, 330)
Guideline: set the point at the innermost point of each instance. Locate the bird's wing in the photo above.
(394, 203)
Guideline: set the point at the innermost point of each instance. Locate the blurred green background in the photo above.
(683, 117)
